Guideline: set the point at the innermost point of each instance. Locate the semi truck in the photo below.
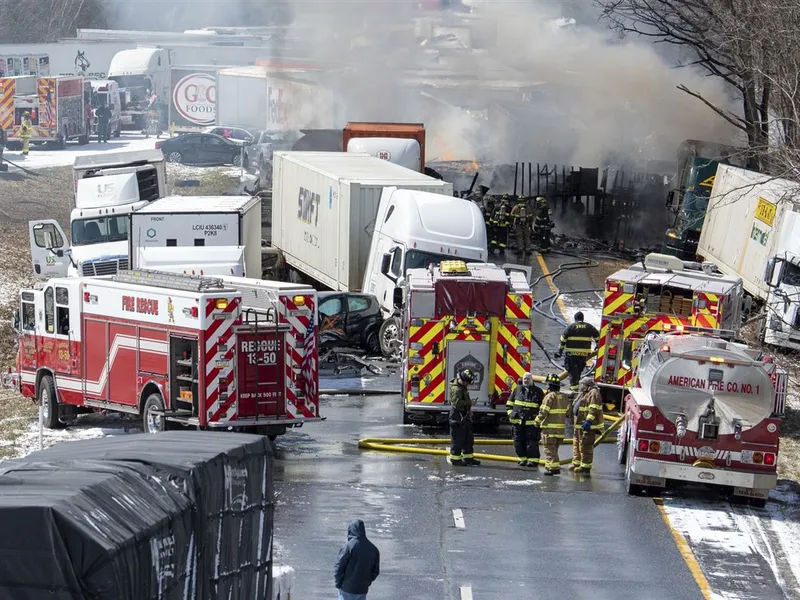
(108, 187)
(752, 230)
(702, 410)
(58, 108)
(688, 200)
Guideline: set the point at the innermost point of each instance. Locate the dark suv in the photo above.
(347, 319)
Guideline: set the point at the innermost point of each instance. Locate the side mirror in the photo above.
(397, 297)
(15, 320)
(386, 262)
(769, 275)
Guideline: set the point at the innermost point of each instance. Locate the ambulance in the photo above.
(461, 315)
(173, 349)
(661, 293)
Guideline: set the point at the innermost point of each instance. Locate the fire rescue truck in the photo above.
(59, 108)
(461, 315)
(662, 293)
(702, 410)
(196, 351)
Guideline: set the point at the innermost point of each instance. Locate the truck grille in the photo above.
(103, 267)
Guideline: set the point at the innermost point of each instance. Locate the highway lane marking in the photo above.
(686, 553)
(466, 592)
(553, 288)
(458, 518)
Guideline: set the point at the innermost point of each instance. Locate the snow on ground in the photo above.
(87, 427)
(43, 157)
(737, 545)
(590, 304)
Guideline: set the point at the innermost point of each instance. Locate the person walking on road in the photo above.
(25, 132)
(542, 225)
(576, 343)
(522, 226)
(522, 408)
(358, 564)
(550, 420)
(587, 411)
(103, 117)
(461, 438)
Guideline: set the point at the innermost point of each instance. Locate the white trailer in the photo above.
(752, 229)
(324, 209)
(257, 97)
(231, 224)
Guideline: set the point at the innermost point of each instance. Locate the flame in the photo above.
(475, 164)
(447, 156)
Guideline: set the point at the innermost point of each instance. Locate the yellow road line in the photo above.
(686, 553)
(549, 279)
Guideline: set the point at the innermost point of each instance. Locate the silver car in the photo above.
(258, 153)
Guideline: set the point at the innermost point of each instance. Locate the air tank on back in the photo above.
(684, 375)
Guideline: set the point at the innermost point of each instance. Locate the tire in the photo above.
(622, 445)
(153, 423)
(630, 488)
(237, 160)
(49, 401)
(389, 336)
(175, 157)
(84, 139)
(372, 344)
(272, 437)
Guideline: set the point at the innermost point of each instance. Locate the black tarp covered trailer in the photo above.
(225, 479)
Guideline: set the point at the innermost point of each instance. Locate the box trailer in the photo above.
(752, 229)
(272, 99)
(324, 208)
(229, 222)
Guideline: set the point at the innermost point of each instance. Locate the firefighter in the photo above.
(576, 343)
(488, 210)
(587, 411)
(542, 225)
(500, 222)
(521, 219)
(103, 116)
(25, 132)
(461, 438)
(3, 140)
(522, 408)
(550, 420)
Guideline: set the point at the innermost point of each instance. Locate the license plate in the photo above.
(219, 316)
(750, 492)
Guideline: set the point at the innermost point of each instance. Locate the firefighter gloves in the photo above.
(587, 426)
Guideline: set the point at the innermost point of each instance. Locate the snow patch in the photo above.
(85, 429)
(42, 157)
(521, 482)
(591, 305)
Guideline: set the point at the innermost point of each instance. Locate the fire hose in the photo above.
(405, 444)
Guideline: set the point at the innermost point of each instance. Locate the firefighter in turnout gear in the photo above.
(500, 221)
(587, 411)
(25, 132)
(461, 438)
(542, 225)
(576, 343)
(521, 219)
(551, 420)
(522, 408)
(488, 210)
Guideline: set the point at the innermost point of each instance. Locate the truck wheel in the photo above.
(151, 422)
(389, 336)
(84, 139)
(622, 446)
(48, 400)
(632, 489)
(237, 160)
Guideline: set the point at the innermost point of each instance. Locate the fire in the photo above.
(447, 156)
(475, 164)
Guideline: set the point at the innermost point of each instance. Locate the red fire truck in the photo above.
(464, 315)
(173, 349)
(702, 410)
(661, 293)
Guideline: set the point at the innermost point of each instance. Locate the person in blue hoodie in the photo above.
(358, 564)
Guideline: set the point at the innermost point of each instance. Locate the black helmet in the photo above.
(553, 380)
(466, 375)
(579, 316)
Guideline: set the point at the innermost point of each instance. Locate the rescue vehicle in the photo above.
(662, 293)
(461, 315)
(197, 351)
(59, 108)
(702, 410)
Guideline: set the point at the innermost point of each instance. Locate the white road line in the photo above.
(466, 592)
(458, 519)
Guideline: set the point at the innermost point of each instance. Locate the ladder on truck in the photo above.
(173, 281)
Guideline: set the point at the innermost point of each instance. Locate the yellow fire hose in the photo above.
(403, 444)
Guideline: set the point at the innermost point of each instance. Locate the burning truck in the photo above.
(702, 410)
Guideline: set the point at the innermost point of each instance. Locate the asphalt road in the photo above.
(524, 535)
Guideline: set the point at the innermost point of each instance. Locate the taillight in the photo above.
(655, 446)
(758, 457)
(643, 445)
(194, 311)
(769, 459)
(158, 145)
(415, 386)
(224, 381)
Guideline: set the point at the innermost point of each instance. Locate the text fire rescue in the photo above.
(145, 306)
(717, 386)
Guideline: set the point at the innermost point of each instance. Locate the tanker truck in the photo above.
(702, 410)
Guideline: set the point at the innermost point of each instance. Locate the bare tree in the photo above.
(723, 37)
(24, 21)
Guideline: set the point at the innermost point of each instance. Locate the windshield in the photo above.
(791, 274)
(99, 230)
(416, 259)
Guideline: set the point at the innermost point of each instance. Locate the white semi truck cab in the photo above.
(138, 71)
(108, 187)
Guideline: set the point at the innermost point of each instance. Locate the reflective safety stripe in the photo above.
(466, 456)
(525, 404)
(586, 465)
(558, 411)
(574, 338)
